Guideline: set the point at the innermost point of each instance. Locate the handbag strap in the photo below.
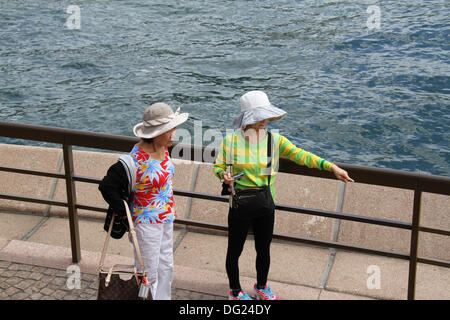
(133, 236)
(269, 155)
(105, 245)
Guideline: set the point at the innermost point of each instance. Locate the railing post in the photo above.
(71, 201)
(414, 241)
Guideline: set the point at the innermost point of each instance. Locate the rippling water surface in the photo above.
(378, 97)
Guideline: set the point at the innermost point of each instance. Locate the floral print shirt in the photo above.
(152, 195)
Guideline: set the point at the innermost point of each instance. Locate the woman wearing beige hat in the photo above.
(254, 152)
(144, 179)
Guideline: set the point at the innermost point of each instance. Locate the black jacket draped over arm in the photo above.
(114, 189)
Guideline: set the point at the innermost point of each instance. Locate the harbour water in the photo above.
(363, 82)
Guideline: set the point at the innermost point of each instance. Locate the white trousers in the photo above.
(156, 246)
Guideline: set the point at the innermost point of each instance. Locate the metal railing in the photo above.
(368, 175)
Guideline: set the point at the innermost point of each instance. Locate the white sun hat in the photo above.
(255, 107)
(158, 119)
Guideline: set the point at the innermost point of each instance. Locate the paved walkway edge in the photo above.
(187, 278)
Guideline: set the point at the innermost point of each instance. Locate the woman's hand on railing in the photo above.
(341, 174)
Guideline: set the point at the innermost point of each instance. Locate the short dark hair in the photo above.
(147, 140)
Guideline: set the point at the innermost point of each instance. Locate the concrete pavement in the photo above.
(37, 270)
(28, 282)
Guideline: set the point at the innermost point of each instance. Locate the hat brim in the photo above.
(144, 132)
(255, 115)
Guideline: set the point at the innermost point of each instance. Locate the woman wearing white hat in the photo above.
(255, 152)
(144, 179)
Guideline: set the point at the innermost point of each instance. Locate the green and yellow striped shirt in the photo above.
(252, 159)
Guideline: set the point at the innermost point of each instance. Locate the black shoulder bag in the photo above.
(255, 202)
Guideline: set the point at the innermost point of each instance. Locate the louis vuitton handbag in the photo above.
(123, 282)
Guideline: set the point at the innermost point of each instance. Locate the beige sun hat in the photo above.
(158, 119)
(255, 106)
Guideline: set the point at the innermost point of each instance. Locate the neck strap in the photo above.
(269, 155)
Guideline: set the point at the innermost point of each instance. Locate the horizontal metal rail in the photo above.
(33, 200)
(417, 182)
(49, 174)
(296, 239)
(317, 212)
(206, 196)
(362, 174)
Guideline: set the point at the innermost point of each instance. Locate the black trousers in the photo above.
(239, 225)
